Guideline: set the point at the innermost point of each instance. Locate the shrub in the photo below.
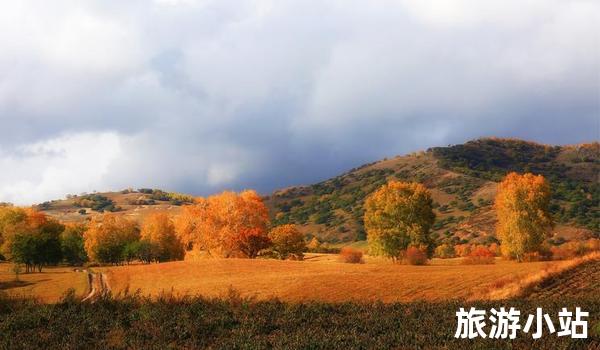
(445, 251)
(416, 256)
(543, 254)
(495, 248)
(480, 256)
(351, 256)
(574, 249)
(463, 250)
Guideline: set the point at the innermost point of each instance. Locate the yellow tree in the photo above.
(314, 244)
(188, 224)
(9, 216)
(522, 207)
(159, 230)
(398, 215)
(107, 236)
(287, 242)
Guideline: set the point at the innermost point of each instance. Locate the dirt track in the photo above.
(98, 286)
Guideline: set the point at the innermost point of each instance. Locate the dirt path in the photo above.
(98, 285)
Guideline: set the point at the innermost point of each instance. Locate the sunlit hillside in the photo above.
(462, 180)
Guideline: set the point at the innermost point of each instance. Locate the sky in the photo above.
(200, 96)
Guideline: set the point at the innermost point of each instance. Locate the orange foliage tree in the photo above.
(227, 224)
(524, 221)
(398, 215)
(158, 229)
(287, 242)
(106, 238)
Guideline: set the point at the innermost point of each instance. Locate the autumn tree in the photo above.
(287, 242)
(158, 229)
(252, 235)
(524, 221)
(314, 244)
(30, 238)
(398, 215)
(10, 216)
(227, 224)
(72, 244)
(107, 236)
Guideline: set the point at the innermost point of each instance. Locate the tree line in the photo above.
(223, 225)
(398, 220)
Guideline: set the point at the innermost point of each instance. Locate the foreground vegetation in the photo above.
(236, 323)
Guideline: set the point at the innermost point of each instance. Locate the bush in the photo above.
(480, 256)
(463, 250)
(445, 251)
(574, 249)
(351, 256)
(416, 256)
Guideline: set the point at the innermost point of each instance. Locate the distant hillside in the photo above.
(462, 179)
(135, 204)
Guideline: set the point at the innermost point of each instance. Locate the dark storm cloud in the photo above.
(199, 96)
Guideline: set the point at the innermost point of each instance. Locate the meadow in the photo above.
(47, 286)
(321, 277)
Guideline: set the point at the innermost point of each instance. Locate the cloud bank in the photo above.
(201, 96)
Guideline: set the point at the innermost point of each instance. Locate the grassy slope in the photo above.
(67, 211)
(463, 180)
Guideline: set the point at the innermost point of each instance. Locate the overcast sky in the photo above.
(202, 96)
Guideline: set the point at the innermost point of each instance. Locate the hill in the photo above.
(135, 204)
(462, 179)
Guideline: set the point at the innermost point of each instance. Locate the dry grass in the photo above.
(520, 286)
(48, 286)
(321, 277)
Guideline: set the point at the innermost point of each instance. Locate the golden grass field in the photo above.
(48, 286)
(321, 277)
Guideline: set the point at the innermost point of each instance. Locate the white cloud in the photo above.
(205, 95)
(52, 168)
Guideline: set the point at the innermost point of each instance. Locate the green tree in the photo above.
(398, 215)
(106, 237)
(72, 244)
(143, 250)
(31, 238)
